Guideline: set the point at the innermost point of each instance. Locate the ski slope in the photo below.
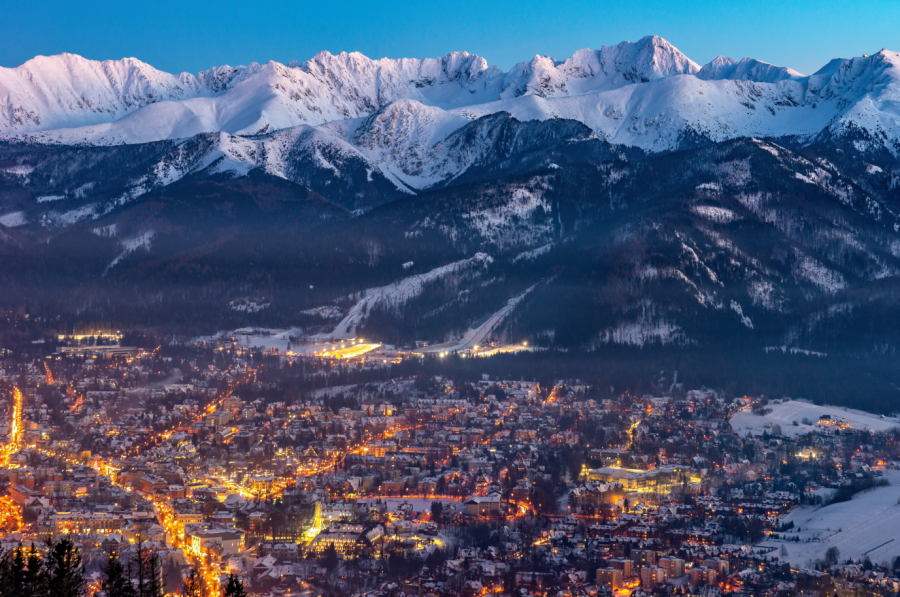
(476, 336)
(398, 293)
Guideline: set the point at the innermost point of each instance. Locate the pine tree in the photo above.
(141, 569)
(35, 581)
(117, 582)
(193, 585)
(154, 585)
(12, 573)
(330, 557)
(437, 509)
(171, 577)
(234, 587)
(66, 573)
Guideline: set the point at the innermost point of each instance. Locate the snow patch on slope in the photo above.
(643, 332)
(533, 253)
(719, 215)
(130, 245)
(246, 305)
(55, 219)
(811, 270)
(326, 312)
(645, 327)
(514, 223)
(736, 307)
(763, 294)
(13, 219)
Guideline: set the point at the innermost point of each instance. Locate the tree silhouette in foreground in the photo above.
(234, 587)
(60, 573)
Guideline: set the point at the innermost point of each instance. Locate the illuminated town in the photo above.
(327, 471)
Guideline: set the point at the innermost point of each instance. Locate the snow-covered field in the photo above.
(264, 339)
(869, 524)
(786, 413)
(418, 504)
(365, 390)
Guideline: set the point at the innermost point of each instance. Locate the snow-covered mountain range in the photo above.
(400, 115)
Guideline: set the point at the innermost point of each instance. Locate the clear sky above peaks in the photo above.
(191, 36)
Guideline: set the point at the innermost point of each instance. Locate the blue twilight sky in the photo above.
(191, 36)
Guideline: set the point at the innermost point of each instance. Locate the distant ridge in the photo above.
(645, 94)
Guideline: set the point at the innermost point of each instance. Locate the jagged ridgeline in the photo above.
(625, 199)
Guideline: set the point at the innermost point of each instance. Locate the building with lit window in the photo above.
(674, 567)
(612, 577)
(703, 576)
(658, 480)
(81, 523)
(224, 541)
(347, 538)
(643, 557)
(487, 505)
(652, 575)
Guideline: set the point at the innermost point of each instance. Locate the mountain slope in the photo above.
(358, 164)
(744, 241)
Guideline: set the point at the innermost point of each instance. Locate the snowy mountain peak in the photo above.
(221, 78)
(396, 123)
(648, 59)
(68, 90)
(747, 69)
(459, 67)
(716, 68)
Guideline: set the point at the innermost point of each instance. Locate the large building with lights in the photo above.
(658, 480)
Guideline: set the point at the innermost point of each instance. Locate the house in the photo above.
(225, 541)
(488, 505)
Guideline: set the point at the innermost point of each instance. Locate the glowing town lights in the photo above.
(16, 431)
(78, 402)
(49, 373)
